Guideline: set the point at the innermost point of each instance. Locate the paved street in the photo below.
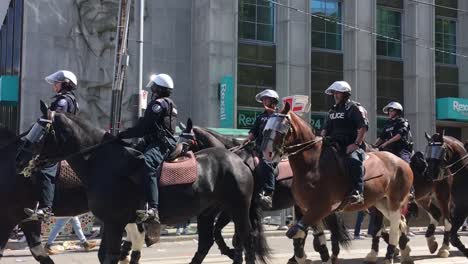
(178, 252)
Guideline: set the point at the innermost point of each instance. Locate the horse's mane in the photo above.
(206, 138)
(81, 126)
(228, 141)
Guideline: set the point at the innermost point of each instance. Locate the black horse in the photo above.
(447, 158)
(18, 192)
(201, 138)
(110, 173)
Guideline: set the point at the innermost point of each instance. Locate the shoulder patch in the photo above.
(62, 102)
(156, 108)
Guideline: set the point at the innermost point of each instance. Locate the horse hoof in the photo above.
(125, 260)
(292, 261)
(334, 259)
(397, 252)
(388, 261)
(371, 258)
(302, 260)
(443, 253)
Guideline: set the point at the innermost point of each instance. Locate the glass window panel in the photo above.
(333, 41)
(247, 13)
(445, 39)
(247, 30)
(323, 32)
(265, 32)
(318, 39)
(389, 26)
(264, 15)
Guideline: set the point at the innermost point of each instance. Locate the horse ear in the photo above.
(443, 133)
(427, 136)
(286, 109)
(44, 108)
(189, 124)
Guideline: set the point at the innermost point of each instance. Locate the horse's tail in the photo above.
(338, 229)
(262, 250)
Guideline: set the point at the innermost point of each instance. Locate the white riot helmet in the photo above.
(393, 105)
(338, 86)
(162, 80)
(267, 93)
(63, 77)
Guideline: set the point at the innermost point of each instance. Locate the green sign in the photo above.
(317, 121)
(246, 118)
(226, 102)
(451, 108)
(9, 86)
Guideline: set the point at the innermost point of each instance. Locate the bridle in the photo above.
(438, 151)
(284, 128)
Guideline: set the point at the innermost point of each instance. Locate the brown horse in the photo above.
(447, 158)
(320, 181)
(425, 189)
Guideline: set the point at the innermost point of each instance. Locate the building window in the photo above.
(10, 39)
(326, 33)
(326, 68)
(446, 81)
(390, 83)
(256, 71)
(256, 20)
(389, 25)
(446, 40)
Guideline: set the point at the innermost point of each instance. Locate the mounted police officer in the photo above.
(157, 127)
(63, 84)
(347, 125)
(269, 99)
(396, 134)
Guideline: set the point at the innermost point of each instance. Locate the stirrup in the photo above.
(38, 214)
(356, 198)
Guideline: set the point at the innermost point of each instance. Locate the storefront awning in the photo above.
(452, 109)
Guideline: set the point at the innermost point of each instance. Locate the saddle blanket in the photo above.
(182, 170)
(67, 178)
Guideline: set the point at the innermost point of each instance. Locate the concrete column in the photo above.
(359, 61)
(462, 43)
(419, 69)
(214, 54)
(293, 49)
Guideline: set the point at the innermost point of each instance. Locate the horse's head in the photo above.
(283, 129)
(436, 156)
(418, 164)
(53, 137)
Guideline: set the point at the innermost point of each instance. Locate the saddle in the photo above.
(66, 177)
(180, 170)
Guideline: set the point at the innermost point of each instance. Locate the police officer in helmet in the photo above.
(347, 125)
(396, 134)
(63, 84)
(269, 99)
(157, 127)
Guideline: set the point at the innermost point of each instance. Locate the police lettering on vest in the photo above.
(344, 120)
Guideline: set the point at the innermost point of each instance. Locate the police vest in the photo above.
(69, 97)
(168, 116)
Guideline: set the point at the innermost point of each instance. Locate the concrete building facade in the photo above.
(388, 50)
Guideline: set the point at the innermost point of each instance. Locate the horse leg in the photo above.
(320, 243)
(5, 230)
(126, 246)
(444, 249)
(403, 244)
(136, 241)
(205, 236)
(32, 232)
(113, 238)
(458, 217)
(434, 214)
(377, 225)
(299, 238)
(221, 222)
(443, 198)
